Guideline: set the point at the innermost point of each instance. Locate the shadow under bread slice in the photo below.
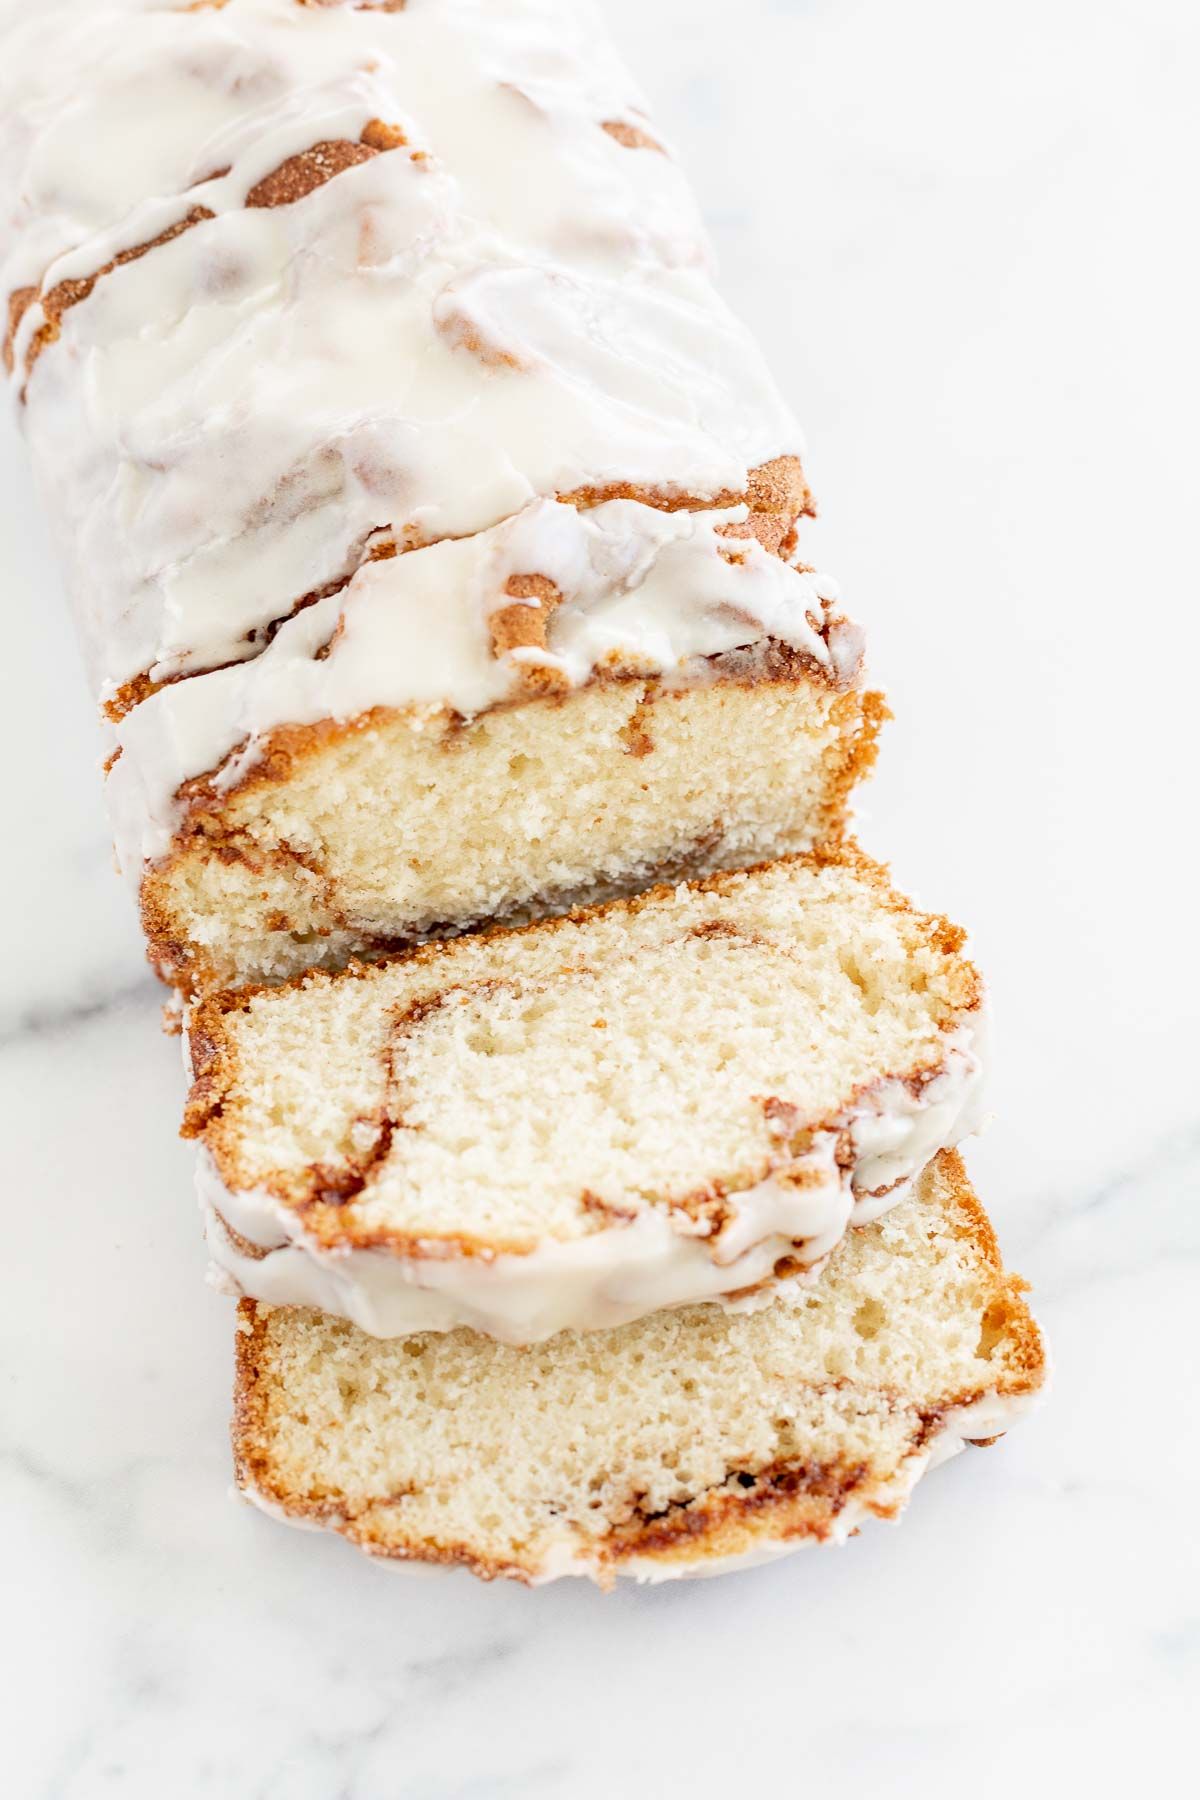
(682, 1097)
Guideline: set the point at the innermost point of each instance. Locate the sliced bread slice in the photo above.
(689, 1442)
(651, 1103)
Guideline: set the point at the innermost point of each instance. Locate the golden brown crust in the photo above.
(775, 490)
(861, 716)
(19, 302)
(525, 625)
(377, 134)
(251, 1464)
(310, 169)
(631, 136)
(780, 1501)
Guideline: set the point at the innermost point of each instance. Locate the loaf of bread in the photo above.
(575, 1102)
(687, 1095)
(690, 1442)
(430, 522)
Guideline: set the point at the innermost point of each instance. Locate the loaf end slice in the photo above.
(571, 1126)
(690, 1442)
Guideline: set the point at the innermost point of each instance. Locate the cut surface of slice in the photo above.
(399, 825)
(691, 1441)
(645, 1104)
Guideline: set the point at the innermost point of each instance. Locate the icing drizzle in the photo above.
(286, 278)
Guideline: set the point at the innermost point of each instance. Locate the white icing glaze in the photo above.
(620, 1272)
(513, 305)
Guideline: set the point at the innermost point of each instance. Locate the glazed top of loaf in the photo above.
(296, 285)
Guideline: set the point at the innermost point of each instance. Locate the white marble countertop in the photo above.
(965, 234)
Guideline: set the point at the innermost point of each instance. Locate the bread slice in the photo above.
(655, 1102)
(690, 1442)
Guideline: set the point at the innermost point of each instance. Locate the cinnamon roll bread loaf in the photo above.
(430, 523)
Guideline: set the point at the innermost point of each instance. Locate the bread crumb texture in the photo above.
(497, 1091)
(687, 1437)
(354, 838)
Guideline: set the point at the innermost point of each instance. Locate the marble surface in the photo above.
(964, 233)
